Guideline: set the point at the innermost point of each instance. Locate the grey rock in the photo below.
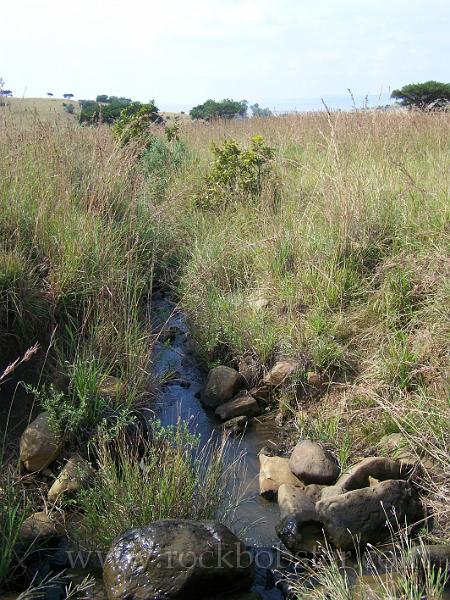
(293, 499)
(221, 385)
(243, 406)
(249, 370)
(236, 426)
(176, 559)
(313, 464)
(369, 515)
(435, 556)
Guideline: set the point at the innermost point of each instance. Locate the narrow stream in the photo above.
(173, 360)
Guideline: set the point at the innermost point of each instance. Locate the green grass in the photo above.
(169, 478)
(27, 109)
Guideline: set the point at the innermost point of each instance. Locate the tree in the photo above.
(68, 96)
(431, 94)
(49, 94)
(6, 93)
(257, 111)
(225, 109)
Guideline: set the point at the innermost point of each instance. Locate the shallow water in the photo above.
(255, 518)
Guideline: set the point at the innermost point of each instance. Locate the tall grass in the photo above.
(352, 259)
(77, 247)
(170, 477)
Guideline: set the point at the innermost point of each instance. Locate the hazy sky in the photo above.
(181, 52)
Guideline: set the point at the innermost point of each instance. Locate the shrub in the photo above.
(236, 174)
(135, 122)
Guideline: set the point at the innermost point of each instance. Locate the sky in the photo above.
(285, 54)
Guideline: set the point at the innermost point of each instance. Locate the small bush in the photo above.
(236, 173)
(135, 123)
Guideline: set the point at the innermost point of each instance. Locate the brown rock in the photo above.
(111, 388)
(313, 464)
(281, 371)
(176, 559)
(248, 370)
(74, 476)
(243, 406)
(374, 466)
(236, 426)
(221, 385)
(293, 499)
(274, 471)
(39, 445)
(40, 525)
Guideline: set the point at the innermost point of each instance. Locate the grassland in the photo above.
(43, 108)
(345, 242)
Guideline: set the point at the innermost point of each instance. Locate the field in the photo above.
(44, 108)
(324, 239)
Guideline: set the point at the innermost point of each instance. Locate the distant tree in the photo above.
(7, 93)
(108, 109)
(103, 98)
(49, 94)
(431, 94)
(68, 96)
(257, 111)
(225, 109)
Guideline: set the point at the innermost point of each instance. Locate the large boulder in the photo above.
(281, 371)
(39, 444)
(243, 406)
(176, 559)
(369, 515)
(273, 472)
(432, 557)
(221, 385)
(313, 464)
(74, 476)
(375, 467)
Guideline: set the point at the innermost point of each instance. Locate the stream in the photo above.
(174, 362)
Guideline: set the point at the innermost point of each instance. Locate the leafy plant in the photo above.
(236, 173)
(135, 121)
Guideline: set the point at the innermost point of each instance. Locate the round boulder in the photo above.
(221, 385)
(313, 464)
(176, 559)
(39, 444)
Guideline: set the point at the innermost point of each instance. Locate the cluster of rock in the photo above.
(363, 505)
(237, 395)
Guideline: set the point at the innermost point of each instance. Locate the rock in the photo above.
(282, 370)
(314, 379)
(176, 559)
(435, 556)
(76, 474)
(221, 385)
(313, 464)
(362, 516)
(111, 388)
(236, 426)
(273, 472)
(248, 370)
(314, 491)
(40, 525)
(39, 445)
(374, 466)
(330, 491)
(301, 532)
(261, 393)
(293, 499)
(243, 406)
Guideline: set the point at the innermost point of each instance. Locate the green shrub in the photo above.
(135, 122)
(236, 174)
